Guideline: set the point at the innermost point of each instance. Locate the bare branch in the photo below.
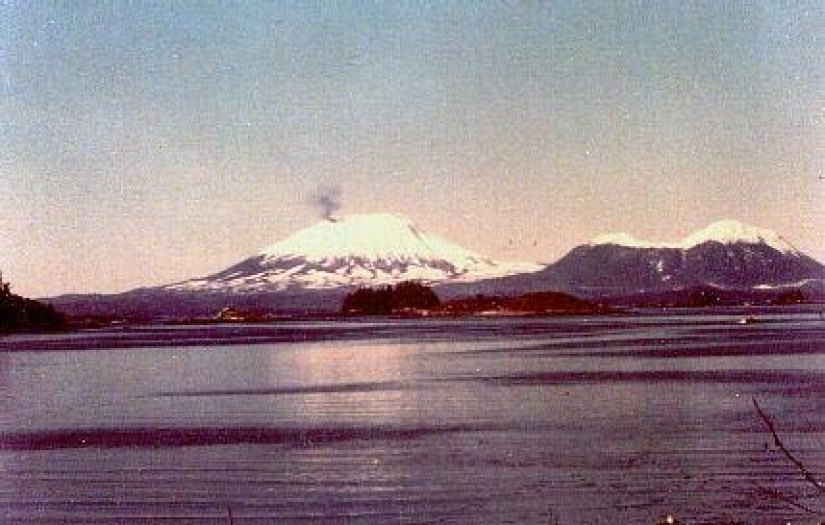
(778, 442)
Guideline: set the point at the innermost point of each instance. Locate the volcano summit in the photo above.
(355, 250)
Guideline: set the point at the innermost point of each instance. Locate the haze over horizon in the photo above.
(145, 144)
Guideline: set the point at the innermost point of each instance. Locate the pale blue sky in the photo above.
(145, 142)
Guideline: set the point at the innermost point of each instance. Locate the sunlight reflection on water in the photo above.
(523, 421)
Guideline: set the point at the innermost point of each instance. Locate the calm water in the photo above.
(566, 420)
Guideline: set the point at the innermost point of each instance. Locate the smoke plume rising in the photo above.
(327, 200)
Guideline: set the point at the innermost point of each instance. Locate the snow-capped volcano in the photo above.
(376, 236)
(355, 250)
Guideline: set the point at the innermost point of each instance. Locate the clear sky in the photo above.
(146, 142)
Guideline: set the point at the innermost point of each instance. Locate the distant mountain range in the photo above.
(314, 268)
(725, 255)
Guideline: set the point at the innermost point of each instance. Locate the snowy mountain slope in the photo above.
(723, 232)
(726, 254)
(354, 250)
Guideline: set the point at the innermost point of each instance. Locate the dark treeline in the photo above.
(388, 299)
(21, 314)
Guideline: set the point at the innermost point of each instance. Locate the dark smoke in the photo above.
(327, 200)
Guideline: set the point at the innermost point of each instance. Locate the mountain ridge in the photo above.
(314, 268)
(725, 231)
(726, 254)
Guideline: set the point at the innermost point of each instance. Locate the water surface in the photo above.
(569, 420)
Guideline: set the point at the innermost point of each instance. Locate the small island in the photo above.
(415, 299)
(407, 297)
